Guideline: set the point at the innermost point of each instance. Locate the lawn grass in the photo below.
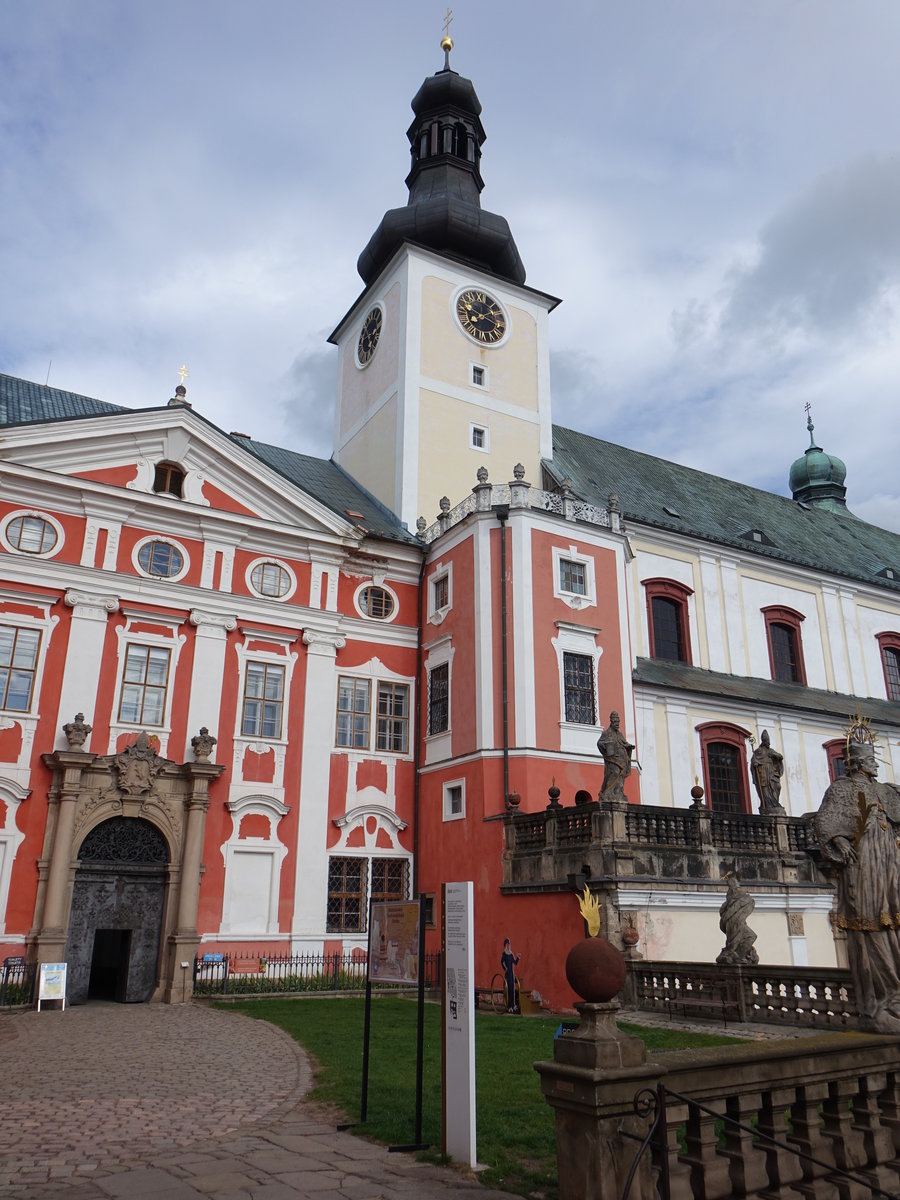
(515, 1126)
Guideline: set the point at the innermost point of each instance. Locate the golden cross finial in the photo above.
(447, 40)
(182, 372)
(447, 19)
(807, 408)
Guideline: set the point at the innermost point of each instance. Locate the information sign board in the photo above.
(458, 1124)
(394, 942)
(52, 983)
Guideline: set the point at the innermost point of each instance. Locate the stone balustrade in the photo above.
(801, 997)
(678, 845)
(738, 1120)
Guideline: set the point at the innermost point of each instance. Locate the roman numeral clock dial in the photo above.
(481, 316)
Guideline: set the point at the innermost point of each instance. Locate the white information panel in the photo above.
(458, 1132)
(52, 983)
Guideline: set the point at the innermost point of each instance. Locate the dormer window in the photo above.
(168, 479)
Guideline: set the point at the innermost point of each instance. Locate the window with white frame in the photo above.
(578, 656)
(19, 650)
(145, 684)
(32, 533)
(272, 579)
(440, 592)
(573, 577)
(578, 685)
(354, 724)
(454, 800)
(479, 375)
(479, 437)
(376, 601)
(439, 698)
(161, 558)
(353, 881)
(263, 702)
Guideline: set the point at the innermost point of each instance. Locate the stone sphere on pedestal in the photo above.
(595, 970)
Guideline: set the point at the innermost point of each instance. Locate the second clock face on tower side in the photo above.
(368, 336)
(481, 316)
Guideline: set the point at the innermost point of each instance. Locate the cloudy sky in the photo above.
(712, 187)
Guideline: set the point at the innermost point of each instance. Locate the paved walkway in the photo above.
(156, 1102)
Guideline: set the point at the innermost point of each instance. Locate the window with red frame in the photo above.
(889, 644)
(785, 644)
(725, 779)
(835, 751)
(667, 619)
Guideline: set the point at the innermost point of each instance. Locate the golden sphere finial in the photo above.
(446, 43)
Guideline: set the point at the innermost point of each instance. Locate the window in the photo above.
(346, 895)
(440, 592)
(263, 700)
(348, 889)
(439, 699)
(785, 646)
(667, 619)
(270, 579)
(578, 682)
(354, 716)
(724, 754)
(375, 602)
(834, 749)
(571, 577)
(454, 800)
(144, 684)
(18, 664)
(889, 644)
(479, 376)
(31, 535)
(479, 437)
(160, 558)
(389, 878)
(392, 722)
(354, 713)
(430, 917)
(168, 479)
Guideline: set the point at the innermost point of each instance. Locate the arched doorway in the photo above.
(117, 912)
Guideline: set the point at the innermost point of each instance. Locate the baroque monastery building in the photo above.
(243, 690)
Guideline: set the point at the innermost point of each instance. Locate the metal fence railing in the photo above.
(252, 972)
(17, 982)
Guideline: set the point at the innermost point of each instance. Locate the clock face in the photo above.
(368, 336)
(481, 316)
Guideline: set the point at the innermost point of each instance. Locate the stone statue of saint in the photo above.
(739, 937)
(616, 753)
(857, 827)
(766, 770)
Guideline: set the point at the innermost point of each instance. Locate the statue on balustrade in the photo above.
(766, 770)
(739, 937)
(616, 752)
(857, 828)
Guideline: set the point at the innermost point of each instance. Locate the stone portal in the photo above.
(117, 912)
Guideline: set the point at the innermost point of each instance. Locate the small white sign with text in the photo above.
(458, 1130)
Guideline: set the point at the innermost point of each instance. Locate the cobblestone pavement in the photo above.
(158, 1102)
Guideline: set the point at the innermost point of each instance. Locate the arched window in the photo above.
(835, 751)
(667, 620)
(889, 644)
(785, 644)
(724, 754)
(168, 478)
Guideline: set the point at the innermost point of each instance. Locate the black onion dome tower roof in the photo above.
(444, 210)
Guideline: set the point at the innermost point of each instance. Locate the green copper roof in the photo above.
(665, 495)
(330, 484)
(23, 403)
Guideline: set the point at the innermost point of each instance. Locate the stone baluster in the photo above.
(807, 1135)
(846, 1142)
(747, 1160)
(784, 1168)
(710, 1178)
(890, 1108)
(680, 1187)
(877, 1141)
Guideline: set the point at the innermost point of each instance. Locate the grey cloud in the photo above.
(307, 406)
(826, 260)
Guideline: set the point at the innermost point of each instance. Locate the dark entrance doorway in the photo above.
(117, 912)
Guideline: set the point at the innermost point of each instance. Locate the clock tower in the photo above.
(444, 358)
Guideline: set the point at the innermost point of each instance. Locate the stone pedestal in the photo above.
(595, 1073)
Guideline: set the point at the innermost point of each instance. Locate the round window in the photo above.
(376, 602)
(160, 558)
(270, 579)
(31, 535)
